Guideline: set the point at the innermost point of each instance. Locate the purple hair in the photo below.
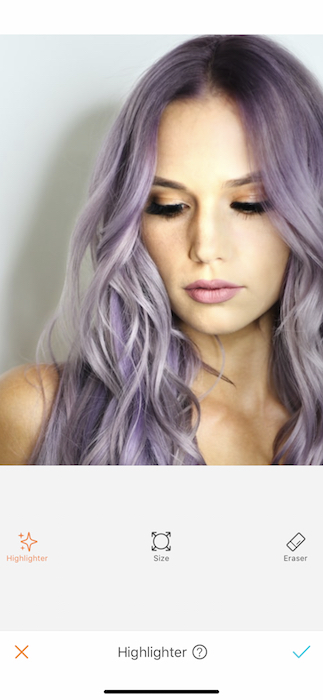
(124, 395)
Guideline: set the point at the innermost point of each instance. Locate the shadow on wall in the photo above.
(37, 279)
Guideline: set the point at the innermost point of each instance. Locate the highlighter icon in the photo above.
(295, 541)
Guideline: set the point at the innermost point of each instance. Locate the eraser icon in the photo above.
(295, 541)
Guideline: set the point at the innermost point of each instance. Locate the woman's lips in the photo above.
(212, 292)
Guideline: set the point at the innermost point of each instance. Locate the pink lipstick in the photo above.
(212, 292)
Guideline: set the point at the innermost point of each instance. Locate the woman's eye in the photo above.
(250, 208)
(166, 210)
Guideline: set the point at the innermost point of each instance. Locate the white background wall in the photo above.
(59, 95)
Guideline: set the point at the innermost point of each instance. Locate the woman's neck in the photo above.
(247, 356)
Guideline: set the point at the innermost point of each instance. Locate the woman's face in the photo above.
(220, 257)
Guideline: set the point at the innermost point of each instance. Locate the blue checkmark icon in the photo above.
(303, 652)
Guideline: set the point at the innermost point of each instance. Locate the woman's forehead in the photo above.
(202, 138)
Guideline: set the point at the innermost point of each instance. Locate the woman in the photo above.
(198, 340)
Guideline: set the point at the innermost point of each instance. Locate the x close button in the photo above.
(21, 651)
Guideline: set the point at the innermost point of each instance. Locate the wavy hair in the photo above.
(124, 393)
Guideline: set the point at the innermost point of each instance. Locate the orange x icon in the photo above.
(21, 651)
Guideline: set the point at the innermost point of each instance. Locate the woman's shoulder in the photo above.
(25, 392)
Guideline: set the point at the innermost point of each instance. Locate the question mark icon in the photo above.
(199, 651)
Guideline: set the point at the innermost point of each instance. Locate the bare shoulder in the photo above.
(25, 392)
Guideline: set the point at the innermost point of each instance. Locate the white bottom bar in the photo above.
(82, 665)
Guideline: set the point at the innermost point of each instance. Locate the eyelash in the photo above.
(169, 211)
(250, 208)
(166, 210)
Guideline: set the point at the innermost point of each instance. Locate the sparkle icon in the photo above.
(28, 541)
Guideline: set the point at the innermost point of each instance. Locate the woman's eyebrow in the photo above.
(246, 180)
(169, 183)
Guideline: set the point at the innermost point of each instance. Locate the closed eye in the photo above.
(250, 208)
(169, 211)
(166, 210)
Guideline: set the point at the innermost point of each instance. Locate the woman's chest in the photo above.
(226, 438)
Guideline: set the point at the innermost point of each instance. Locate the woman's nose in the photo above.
(209, 238)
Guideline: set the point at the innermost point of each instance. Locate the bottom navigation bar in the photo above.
(88, 665)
